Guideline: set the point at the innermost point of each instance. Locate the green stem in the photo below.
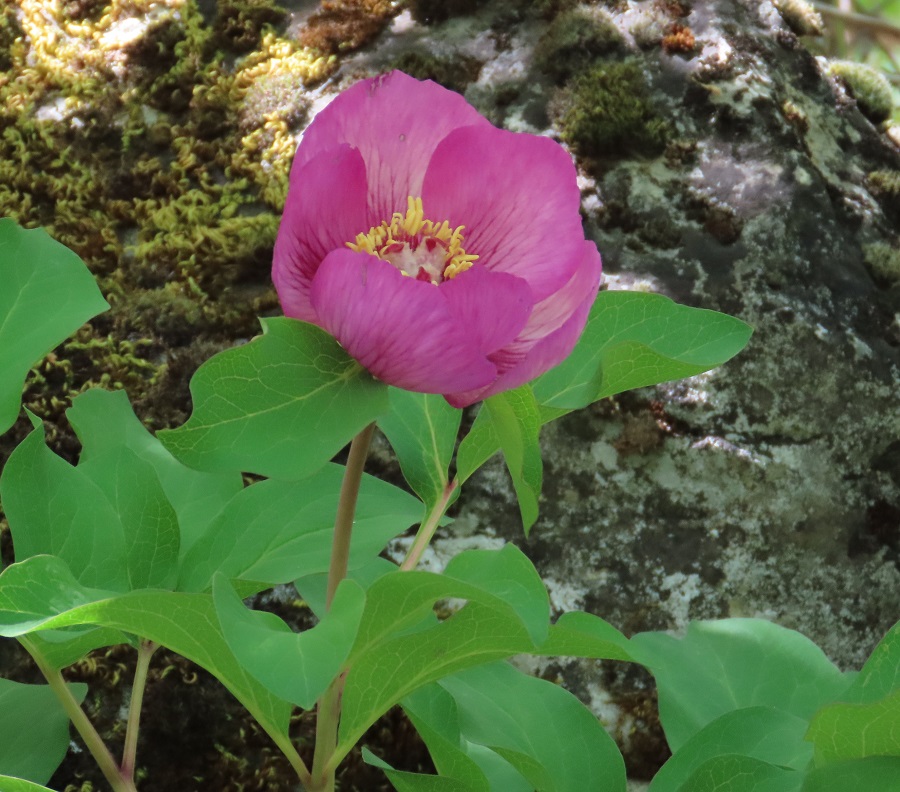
(129, 754)
(343, 521)
(83, 726)
(427, 528)
(329, 705)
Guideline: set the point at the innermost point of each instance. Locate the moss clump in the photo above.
(607, 111)
(885, 184)
(430, 12)
(800, 17)
(868, 86)
(345, 25)
(883, 261)
(240, 24)
(574, 40)
(455, 72)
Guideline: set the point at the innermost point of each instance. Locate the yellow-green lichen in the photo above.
(868, 86)
(607, 111)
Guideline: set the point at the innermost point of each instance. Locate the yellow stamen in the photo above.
(418, 247)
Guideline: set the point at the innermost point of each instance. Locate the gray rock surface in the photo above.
(770, 487)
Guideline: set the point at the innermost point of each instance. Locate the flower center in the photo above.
(419, 248)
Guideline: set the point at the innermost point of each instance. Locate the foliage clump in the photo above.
(455, 72)
(607, 111)
(800, 17)
(885, 184)
(883, 261)
(574, 40)
(868, 86)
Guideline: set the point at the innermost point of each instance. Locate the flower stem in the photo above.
(329, 705)
(343, 522)
(427, 528)
(145, 652)
(117, 780)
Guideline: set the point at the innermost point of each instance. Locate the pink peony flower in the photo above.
(444, 254)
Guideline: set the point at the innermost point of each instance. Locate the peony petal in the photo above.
(493, 306)
(522, 362)
(400, 329)
(517, 197)
(396, 122)
(325, 209)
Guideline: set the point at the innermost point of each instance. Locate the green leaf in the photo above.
(418, 782)
(874, 774)
(857, 731)
(880, 676)
(275, 531)
(578, 634)
(313, 589)
(387, 664)
(281, 405)
(55, 509)
(41, 593)
(634, 339)
(478, 446)
(422, 429)
(296, 667)
(62, 648)
(734, 773)
(541, 729)
(434, 713)
(34, 730)
(10, 784)
(737, 663)
(47, 294)
(105, 422)
(517, 423)
(761, 733)
(149, 524)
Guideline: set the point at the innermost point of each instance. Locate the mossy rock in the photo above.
(607, 111)
(574, 40)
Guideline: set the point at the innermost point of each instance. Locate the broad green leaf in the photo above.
(422, 429)
(509, 575)
(62, 648)
(734, 773)
(54, 509)
(541, 729)
(280, 406)
(517, 423)
(880, 675)
(275, 531)
(388, 662)
(737, 663)
(856, 731)
(296, 667)
(478, 446)
(313, 589)
(10, 784)
(762, 733)
(634, 339)
(105, 422)
(578, 634)
(404, 781)
(41, 594)
(874, 774)
(47, 294)
(148, 522)
(34, 730)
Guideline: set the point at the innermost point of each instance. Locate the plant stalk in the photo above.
(427, 528)
(329, 705)
(83, 726)
(129, 754)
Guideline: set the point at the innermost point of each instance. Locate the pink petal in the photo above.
(325, 209)
(493, 306)
(521, 362)
(396, 122)
(400, 329)
(517, 197)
